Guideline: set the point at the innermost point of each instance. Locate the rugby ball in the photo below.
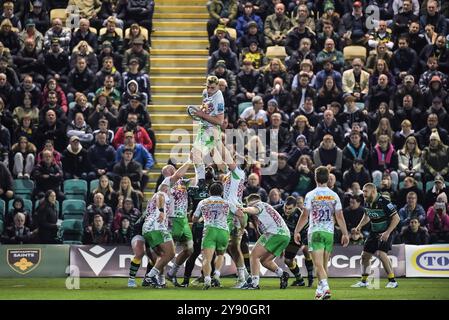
(191, 111)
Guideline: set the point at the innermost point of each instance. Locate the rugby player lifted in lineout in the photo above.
(211, 116)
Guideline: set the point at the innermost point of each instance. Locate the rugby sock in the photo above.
(366, 271)
(246, 260)
(135, 265)
(279, 272)
(309, 267)
(207, 280)
(324, 283)
(200, 171)
(217, 274)
(161, 279)
(153, 273)
(149, 266)
(174, 270)
(255, 280)
(391, 277)
(295, 270)
(241, 273)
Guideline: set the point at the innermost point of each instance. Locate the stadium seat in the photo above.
(73, 208)
(242, 106)
(58, 13)
(351, 52)
(28, 204)
(117, 30)
(23, 188)
(72, 230)
(276, 52)
(93, 184)
(75, 189)
(2, 209)
(143, 32)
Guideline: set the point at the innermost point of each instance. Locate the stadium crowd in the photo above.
(73, 106)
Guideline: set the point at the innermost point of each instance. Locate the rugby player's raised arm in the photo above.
(181, 171)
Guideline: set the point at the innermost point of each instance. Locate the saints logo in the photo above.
(24, 261)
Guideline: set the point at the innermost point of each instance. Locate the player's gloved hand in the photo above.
(298, 238)
(200, 113)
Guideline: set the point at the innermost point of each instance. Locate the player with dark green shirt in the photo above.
(384, 218)
(291, 213)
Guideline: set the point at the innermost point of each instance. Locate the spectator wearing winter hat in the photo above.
(299, 149)
(435, 158)
(438, 220)
(434, 89)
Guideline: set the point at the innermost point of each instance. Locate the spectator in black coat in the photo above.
(423, 135)
(75, 162)
(101, 156)
(124, 234)
(51, 129)
(296, 34)
(56, 61)
(247, 84)
(81, 79)
(39, 15)
(410, 111)
(48, 176)
(354, 212)
(47, 218)
(224, 53)
(433, 17)
(282, 179)
(253, 186)
(414, 233)
(404, 60)
(84, 33)
(328, 126)
(98, 207)
(383, 91)
(98, 233)
(300, 148)
(357, 173)
(127, 167)
(18, 233)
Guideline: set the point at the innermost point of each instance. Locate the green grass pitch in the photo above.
(115, 289)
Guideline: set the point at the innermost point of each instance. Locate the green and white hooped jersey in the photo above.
(213, 106)
(215, 212)
(179, 198)
(152, 214)
(322, 203)
(270, 221)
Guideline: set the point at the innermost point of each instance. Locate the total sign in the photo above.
(427, 261)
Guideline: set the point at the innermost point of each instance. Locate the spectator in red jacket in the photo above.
(140, 134)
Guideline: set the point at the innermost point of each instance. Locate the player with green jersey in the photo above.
(156, 233)
(274, 238)
(211, 116)
(384, 218)
(321, 205)
(178, 223)
(233, 186)
(214, 211)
